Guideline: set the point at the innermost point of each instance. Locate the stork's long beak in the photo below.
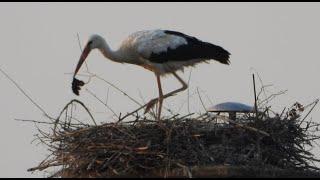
(76, 84)
(83, 57)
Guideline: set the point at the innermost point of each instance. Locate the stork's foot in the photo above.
(151, 105)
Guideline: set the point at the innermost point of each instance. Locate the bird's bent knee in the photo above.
(185, 87)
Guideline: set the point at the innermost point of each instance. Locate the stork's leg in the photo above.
(184, 86)
(154, 101)
(160, 96)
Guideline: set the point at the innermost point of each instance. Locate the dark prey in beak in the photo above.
(76, 85)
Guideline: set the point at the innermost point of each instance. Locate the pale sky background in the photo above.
(39, 46)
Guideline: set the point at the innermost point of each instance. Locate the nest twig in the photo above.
(146, 148)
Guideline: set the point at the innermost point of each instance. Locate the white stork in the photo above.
(160, 51)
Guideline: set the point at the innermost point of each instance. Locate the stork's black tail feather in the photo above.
(218, 53)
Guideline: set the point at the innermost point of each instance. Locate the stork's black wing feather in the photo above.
(194, 49)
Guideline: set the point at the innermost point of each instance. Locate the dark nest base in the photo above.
(185, 147)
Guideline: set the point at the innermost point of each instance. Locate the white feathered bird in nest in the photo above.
(160, 51)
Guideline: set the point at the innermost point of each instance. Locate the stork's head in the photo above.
(95, 41)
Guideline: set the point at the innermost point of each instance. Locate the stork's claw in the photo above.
(150, 105)
(76, 85)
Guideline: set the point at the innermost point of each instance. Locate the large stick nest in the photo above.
(204, 146)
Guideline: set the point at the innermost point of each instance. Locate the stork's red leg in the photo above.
(160, 97)
(154, 101)
(184, 87)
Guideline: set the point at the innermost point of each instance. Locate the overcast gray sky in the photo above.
(39, 46)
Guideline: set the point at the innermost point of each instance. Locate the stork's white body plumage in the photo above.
(160, 51)
(139, 46)
(155, 41)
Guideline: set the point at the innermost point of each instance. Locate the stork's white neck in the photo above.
(109, 53)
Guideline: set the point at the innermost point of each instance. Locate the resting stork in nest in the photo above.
(160, 51)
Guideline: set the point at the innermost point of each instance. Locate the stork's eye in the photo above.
(89, 43)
